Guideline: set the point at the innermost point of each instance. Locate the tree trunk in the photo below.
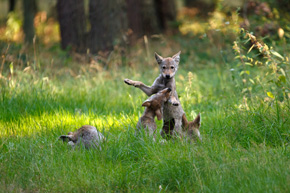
(190, 3)
(29, 11)
(147, 17)
(150, 21)
(204, 6)
(142, 18)
(108, 24)
(11, 5)
(71, 16)
(166, 12)
(134, 15)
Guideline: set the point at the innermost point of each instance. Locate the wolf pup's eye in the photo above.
(163, 67)
(172, 67)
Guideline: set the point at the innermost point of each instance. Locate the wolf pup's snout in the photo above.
(167, 76)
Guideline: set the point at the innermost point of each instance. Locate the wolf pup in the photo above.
(87, 135)
(172, 109)
(168, 67)
(190, 129)
(153, 107)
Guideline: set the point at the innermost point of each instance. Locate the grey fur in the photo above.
(161, 82)
(153, 107)
(172, 109)
(173, 112)
(87, 135)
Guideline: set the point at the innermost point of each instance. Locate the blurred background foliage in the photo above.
(245, 37)
(127, 21)
(63, 63)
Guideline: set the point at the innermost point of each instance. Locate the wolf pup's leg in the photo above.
(146, 89)
(167, 129)
(133, 83)
(178, 128)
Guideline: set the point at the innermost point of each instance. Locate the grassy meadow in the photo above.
(245, 145)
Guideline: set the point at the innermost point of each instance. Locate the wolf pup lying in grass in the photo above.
(154, 107)
(87, 135)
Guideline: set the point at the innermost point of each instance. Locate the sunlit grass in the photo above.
(46, 92)
(63, 122)
(244, 148)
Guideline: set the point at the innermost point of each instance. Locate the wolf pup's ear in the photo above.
(159, 59)
(197, 120)
(176, 57)
(146, 104)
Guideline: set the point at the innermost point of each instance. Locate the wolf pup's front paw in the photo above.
(127, 81)
(173, 102)
(133, 83)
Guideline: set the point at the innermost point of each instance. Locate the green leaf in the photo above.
(277, 54)
(246, 41)
(282, 78)
(245, 72)
(287, 35)
(11, 67)
(252, 81)
(244, 90)
(270, 95)
(282, 71)
(251, 48)
(248, 63)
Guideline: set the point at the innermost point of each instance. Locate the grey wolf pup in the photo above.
(172, 109)
(153, 107)
(168, 67)
(190, 129)
(87, 135)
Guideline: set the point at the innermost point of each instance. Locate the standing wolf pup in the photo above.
(172, 109)
(154, 107)
(168, 67)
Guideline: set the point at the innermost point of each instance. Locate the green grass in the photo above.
(245, 145)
